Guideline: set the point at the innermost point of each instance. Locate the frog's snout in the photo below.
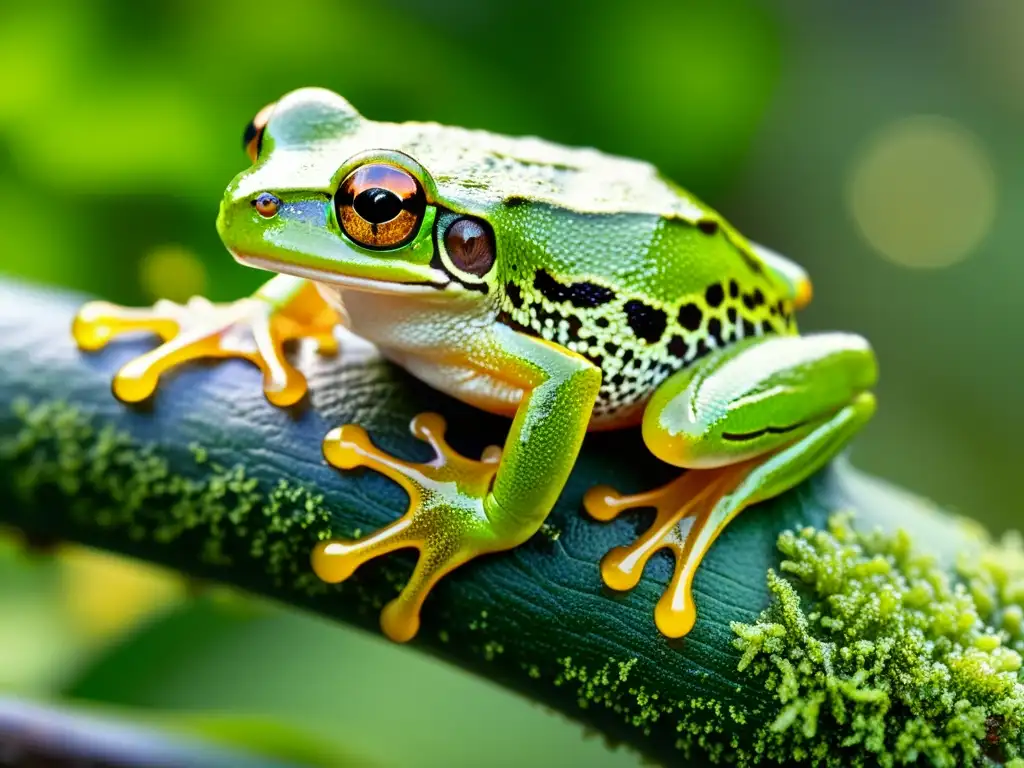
(234, 210)
(222, 218)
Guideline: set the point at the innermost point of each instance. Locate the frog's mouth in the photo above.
(434, 286)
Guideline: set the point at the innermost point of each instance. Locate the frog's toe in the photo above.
(98, 322)
(446, 520)
(250, 329)
(400, 619)
(684, 524)
(283, 384)
(349, 446)
(326, 344)
(622, 567)
(604, 503)
(136, 381)
(90, 328)
(336, 560)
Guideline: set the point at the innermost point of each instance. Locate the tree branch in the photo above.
(34, 734)
(211, 480)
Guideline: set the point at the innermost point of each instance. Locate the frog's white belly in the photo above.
(430, 338)
(467, 384)
(435, 337)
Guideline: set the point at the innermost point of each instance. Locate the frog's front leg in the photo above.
(254, 329)
(455, 510)
(749, 423)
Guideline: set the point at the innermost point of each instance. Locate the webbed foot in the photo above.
(446, 519)
(252, 329)
(690, 512)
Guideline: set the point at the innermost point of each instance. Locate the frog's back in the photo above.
(604, 256)
(478, 170)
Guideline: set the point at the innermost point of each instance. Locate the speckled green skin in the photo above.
(612, 297)
(190, 484)
(599, 254)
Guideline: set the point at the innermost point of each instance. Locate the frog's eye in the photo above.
(470, 246)
(380, 205)
(252, 139)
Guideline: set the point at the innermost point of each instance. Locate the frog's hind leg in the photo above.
(750, 423)
(683, 509)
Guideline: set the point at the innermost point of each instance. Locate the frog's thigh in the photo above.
(755, 397)
(753, 421)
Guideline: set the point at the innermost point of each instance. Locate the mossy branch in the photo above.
(211, 480)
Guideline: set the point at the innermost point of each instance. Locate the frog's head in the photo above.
(330, 196)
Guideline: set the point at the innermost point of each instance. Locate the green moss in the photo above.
(123, 488)
(878, 644)
(705, 726)
(493, 648)
(875, 655)
(995, 578)
(872, 654)
(550, 531)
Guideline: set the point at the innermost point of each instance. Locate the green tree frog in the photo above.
(566, 289)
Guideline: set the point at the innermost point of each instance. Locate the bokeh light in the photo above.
(923, 192)
(172, 272)
(105, 595)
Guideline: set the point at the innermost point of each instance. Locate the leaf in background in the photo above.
(378, 700)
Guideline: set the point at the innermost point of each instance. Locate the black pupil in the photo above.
(377, 205)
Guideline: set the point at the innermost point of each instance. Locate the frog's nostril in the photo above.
(266, 205)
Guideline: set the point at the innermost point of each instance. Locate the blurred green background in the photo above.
(876, 143)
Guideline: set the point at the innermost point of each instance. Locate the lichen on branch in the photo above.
(871, 640)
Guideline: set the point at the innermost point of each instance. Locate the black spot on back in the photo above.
(708, 226)
(751, 262)
(677, 347)
(702, 349)
(715, 330)
(690, 317)
(506, 319)
(549, 288)
(514, 294)
(714, 295)
(734, 289)
(647, 322)
(589, 294)
(578, 294)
